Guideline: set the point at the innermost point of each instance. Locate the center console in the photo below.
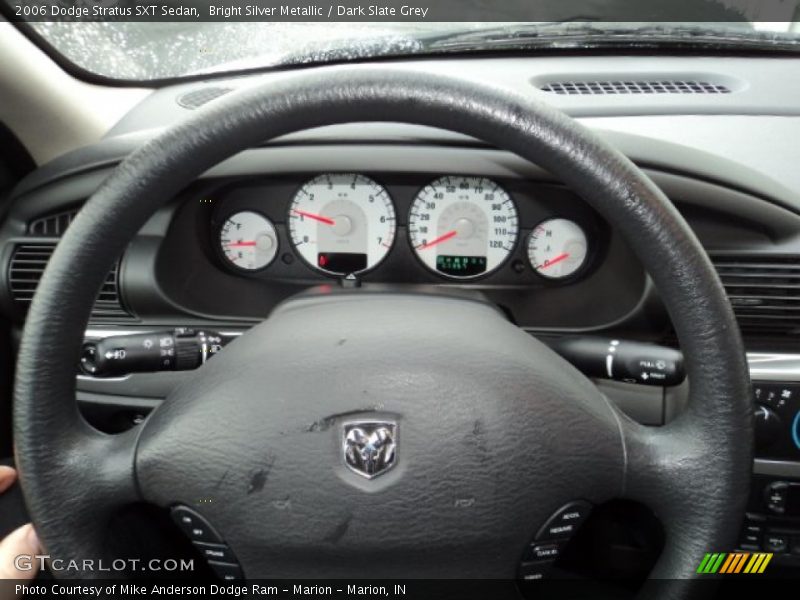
(772, 523)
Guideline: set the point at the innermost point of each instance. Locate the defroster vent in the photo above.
(633, 87)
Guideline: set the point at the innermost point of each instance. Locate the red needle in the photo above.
(240, 244)
(438, 240)
(319, 218)
(557, 259)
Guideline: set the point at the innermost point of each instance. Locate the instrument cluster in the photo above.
(457, 227)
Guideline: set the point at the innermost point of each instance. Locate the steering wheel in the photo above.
(491, 430)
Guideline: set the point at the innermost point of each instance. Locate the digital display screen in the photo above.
(342, 262)
(461, 266)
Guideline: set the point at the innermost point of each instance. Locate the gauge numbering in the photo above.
(342, 223)
(463, 227)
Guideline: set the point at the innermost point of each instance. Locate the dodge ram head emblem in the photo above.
(370, 447)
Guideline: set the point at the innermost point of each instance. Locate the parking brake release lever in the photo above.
(172, 350)
(622, 360)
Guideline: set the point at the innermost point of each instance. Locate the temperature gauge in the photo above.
(248, 241)
(557, 248)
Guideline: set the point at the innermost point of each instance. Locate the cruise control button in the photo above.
(776, 542)
(751, 536)
(226, 571)
(533, 571)
(543, 551)
(194, 525)
(217, 552)
(776, 495)
(565, 522)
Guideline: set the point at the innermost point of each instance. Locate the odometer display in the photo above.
(463, 227)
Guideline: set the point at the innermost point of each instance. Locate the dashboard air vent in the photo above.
(616, 87)
(764, 291)
(52, 225)
(25, 270)
(199, 97)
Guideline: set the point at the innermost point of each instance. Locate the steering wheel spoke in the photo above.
(679, 473)
(95, 473)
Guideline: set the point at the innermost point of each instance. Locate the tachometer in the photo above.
(463, 227)
(248, 240)
(342, 223)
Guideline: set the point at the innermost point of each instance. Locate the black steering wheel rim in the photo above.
(694, 472)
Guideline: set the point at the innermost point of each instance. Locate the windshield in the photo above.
(165, 50)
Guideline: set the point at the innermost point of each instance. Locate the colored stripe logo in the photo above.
(734, 562)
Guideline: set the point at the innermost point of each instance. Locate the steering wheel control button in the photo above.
(565, 521)
(534, 571)
(215, 552)
(776, 542)
(543, 551)
(776, 496)
(194, 525)
(751, 537)
(226, 571)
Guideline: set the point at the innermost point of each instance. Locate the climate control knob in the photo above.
(768, 426)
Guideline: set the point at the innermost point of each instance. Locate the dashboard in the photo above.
(346, 224)
(506, 238)
(385, 206)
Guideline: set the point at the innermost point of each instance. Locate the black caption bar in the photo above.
(399, 10)
(411, 589)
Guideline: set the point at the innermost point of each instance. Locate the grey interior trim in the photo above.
(97, 333)
(776, 468)
(761, 86)
(652, 154)
(774, 366)
(401, 148)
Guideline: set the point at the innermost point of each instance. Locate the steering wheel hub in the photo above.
(488, 430)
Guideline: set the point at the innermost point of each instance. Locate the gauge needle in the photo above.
(438, 240)
(557, 259)
(319, 218)
(240, 244)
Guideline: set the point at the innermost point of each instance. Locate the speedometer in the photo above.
(463, 227)
(342, 223)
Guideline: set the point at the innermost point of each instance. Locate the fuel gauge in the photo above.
(248, 240)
